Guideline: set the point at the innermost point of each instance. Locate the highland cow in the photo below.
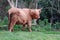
(22, 16)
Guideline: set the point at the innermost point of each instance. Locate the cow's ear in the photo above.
(40, 9)
(30, 12)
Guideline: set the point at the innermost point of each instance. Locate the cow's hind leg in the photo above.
(12, 23)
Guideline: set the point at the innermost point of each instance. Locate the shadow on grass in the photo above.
(15, 29)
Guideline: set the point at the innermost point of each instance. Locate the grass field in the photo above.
(22, 35)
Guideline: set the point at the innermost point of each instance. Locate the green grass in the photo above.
(22, 35)
(40, 32)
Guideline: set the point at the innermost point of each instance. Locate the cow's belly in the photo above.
(18, 23)
(21, 22)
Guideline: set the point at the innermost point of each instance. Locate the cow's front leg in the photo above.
(29, 26)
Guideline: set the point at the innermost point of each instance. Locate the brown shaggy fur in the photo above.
(22, 16)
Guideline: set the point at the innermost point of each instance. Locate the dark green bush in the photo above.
(4, 21)
(43, 26)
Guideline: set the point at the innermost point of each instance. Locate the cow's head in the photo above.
(35, 13)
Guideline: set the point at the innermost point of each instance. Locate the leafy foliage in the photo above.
(45, 15)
